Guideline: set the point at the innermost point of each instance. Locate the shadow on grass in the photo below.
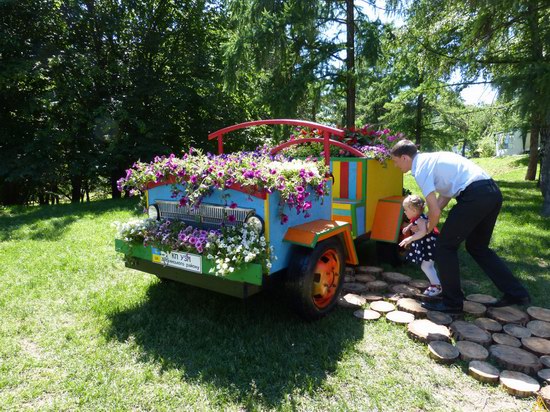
(255, 351)
(50, 222)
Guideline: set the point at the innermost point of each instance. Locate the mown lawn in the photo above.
(79, 331)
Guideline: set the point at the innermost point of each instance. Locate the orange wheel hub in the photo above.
(326, 277)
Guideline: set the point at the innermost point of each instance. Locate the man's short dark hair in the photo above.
(404, 147)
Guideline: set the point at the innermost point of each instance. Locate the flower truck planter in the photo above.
(231, 223)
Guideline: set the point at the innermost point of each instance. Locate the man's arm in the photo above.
(434, 212)
(443, 201)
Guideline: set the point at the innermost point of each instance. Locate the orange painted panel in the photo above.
(387, 221)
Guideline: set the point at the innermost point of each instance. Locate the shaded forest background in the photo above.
(87, 87)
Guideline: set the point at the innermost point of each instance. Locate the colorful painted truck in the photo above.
(311, 249)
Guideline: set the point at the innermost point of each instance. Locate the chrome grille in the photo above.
(206, 215)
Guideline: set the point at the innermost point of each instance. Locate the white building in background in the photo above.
(511, 143)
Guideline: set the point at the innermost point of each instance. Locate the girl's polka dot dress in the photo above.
(422, 249)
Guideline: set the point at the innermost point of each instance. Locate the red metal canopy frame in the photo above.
(326, 140)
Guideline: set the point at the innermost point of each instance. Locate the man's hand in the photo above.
(434, 211)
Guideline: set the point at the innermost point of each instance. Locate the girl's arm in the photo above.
(422, 226)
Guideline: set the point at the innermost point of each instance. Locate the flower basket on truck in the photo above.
(232, 222)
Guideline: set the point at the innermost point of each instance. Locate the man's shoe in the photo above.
(442, 307)
(508, 300)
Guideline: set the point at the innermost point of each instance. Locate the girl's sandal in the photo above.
(432, 291)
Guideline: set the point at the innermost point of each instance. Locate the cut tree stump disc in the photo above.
(354, 287)
(439, 318)
(480, 298)
(468, 331)
(508, 314)
(539, 328)
(377, 286)
(474, 308)
(404, 290)
(364, 278)
(382, 306)
(516, 331)
(400, 317)
(539, 313)
(349, 279)
(371, 296)
(366, 314)
(392, 297)
(490, 325)
(505, 339)
(351, 300)
(544, 394)
(395, 277)
(519, 384)
(470, 351)
(426, 331)
(419, 283)
(349, 271)
(443, 352)
(545, 360)
(515, 359)
(370, 270)
(483, 372)
(544, 374)
(538, 346)
(412, 306)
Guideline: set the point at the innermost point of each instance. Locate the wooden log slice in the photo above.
(505, 339)
(490, 325)
(400, 317)
(364, 278)
(518, 384)
(382, 306)
(539, 313)
(516, 331)
(404, 290)
(468, 331)
(392, 297)
(349, 271)
(538, 346)
(349, 279)
(371, 296)
(354, 287)
(366, 314)
(443, 352)
(395, 277)
(470, 351)
(508, 314)
(544, 394)
(351, 300)
(369, 270)
(419, 283)
(545, 360)
(377, 286)
(474, 308)
(515, 359)
(439, 318)
(480, 298)
(483, 372)
(426, 331)
(544, 375)
(412, 306)
(539, 328)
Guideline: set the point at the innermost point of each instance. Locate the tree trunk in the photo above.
(533, 151)
(545, 170)
(350, 64)
(76, 188)
(418, 120)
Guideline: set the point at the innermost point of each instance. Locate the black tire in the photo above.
(315, 277)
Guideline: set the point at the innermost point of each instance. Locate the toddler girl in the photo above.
(422, 243)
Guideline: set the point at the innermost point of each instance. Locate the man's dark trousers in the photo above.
(472, 220)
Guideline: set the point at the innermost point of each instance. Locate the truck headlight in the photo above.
(153, 212)
(256, 223)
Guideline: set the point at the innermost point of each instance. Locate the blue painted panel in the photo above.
(360, 221)
(352, 187)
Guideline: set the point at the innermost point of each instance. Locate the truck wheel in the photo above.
(315, 278)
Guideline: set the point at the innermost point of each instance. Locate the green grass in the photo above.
(80, 331)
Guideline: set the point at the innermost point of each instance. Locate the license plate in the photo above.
(180, 260)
